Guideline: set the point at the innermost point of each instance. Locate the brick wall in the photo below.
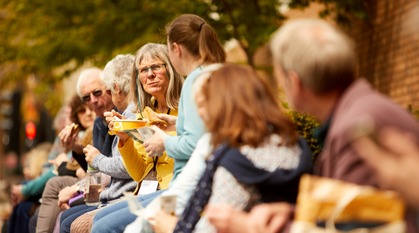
(388, 49)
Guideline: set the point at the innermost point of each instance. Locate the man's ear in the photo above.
(116, 88)
(296, 83)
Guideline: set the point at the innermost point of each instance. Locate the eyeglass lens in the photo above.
(153, 68)
(96, 93)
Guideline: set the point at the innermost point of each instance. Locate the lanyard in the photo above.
(155, 163)
(155, 107)
(157, 158)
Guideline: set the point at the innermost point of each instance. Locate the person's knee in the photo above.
(100, 226)
(65, 225)
(115, 222)
(112, 208)
(83, 223)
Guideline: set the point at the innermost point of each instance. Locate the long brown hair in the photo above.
(77, 105)
(198, 37)
(243, 109)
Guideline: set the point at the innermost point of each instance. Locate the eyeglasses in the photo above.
(157, 68)
(81, 110)
(86, 98)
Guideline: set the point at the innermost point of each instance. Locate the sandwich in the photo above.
(74, 128)
(152, 118)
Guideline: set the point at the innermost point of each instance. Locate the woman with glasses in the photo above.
(157, 85)
(193, 44)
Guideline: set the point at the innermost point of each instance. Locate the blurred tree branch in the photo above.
(40, 36)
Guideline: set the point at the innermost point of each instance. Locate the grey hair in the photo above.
(86, 74)
(141, 97)
(322, 56)
(119, 71)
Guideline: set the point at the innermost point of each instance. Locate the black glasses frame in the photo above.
(153, 68)
(87, 98)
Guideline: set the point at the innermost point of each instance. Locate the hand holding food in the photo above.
(163, 121)
(68, 136)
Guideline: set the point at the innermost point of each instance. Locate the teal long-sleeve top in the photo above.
(189, 126)
(35, 187)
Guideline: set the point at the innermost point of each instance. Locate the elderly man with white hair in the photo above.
(92, 91)
(103, 91)
(116, 80)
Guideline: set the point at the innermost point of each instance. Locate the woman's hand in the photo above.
(80, 173)
(154, 146)
(163, 222)
(67, 138)
(65, 194)
(171, 122)
(110, 117)
(263, 218)
(16, 194)
(91, 152)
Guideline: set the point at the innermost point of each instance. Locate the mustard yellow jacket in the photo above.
(139, 164)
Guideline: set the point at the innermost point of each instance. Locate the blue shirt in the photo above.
(189, 126)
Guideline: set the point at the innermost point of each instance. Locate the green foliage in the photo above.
(305, 124)
(250, 22)
(342, 11)
(414, 112)
(41, 35)
(38, 36)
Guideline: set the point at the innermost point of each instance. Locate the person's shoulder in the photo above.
(193, 75)
(372, 104)
(360, 100)
(205, 137)
(130, 115)
(98, 120)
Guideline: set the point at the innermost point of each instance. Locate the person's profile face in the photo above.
(283, 83)
(201, 105)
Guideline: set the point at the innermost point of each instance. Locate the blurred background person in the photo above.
(69, 171)
(394, 156)
(25, 197)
